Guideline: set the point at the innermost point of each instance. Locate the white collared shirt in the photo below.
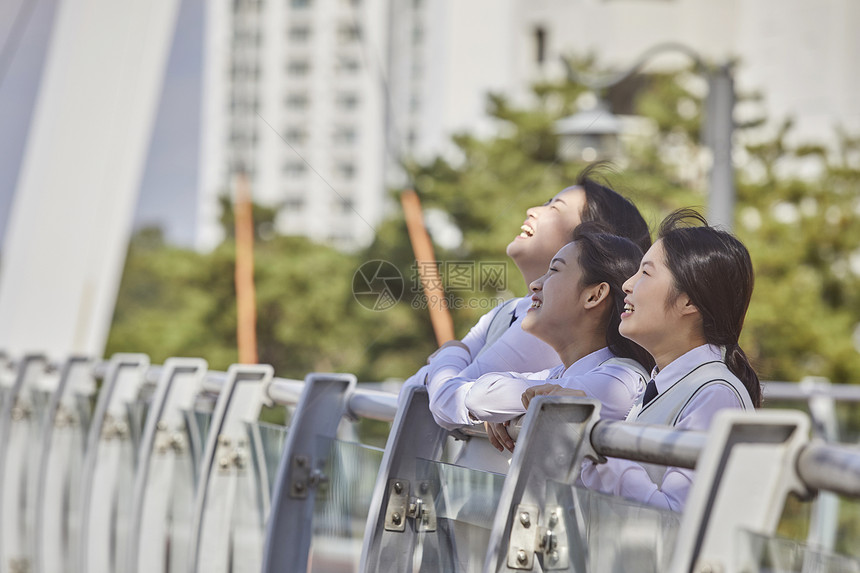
(629, 479)
(497, 397)
(451, 372)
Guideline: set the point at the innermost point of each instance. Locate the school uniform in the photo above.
(615, 382)
(690, 391)
(498, 344)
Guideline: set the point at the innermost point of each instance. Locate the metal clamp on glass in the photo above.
(401, 505)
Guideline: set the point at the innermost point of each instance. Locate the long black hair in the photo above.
(616, 213)
(608, 258)
(714, 269)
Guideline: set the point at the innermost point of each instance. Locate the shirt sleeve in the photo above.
(475, 340)
(630, 480)
(452, 374)
(446, 389)
(497, 397)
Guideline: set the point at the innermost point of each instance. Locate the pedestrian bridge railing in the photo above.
(124, 466)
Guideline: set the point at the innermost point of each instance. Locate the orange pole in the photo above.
(246, 306)
(440, 316)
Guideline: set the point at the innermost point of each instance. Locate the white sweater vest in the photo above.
(668, 406)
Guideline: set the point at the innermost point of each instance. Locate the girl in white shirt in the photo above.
(497, 343)
(686, 306)
(575, 309)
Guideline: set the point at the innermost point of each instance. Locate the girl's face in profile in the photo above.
(651, 305)
(556, 299)
(548, 227)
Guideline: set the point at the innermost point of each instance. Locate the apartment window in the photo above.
(540, 44)
(345, 135)
(240, 104)
(347, 64)
(294, 203)
(300, 3)
(347, 100)
(417, 34)
(348, 33)
(245, 72)
(245, 38)
(345, 169)
(294, 168)
(298, 101)
(239, 136)
(299, 34)
(298, 68)
(414, 103)
(296, 135)
(345, 206)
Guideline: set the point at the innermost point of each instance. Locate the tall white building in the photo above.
(292, 96)
(317, 98)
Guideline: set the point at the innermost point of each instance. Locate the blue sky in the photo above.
(169, 185)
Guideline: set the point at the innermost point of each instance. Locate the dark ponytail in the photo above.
(714, 269)
(617, 214)
(739, 364)
(611, 259)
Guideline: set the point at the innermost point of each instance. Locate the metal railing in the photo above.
(130, 478)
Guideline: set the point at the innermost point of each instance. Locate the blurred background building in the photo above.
(319, 100)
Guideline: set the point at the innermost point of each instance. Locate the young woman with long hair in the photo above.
(686, 306)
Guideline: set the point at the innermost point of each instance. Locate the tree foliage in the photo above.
(802, 232)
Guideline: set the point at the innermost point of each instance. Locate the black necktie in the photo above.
(650, 393)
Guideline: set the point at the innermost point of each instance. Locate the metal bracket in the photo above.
(402, 505)
(304, 477)
(528, 537)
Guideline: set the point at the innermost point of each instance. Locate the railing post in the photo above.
(226, 468)
(58, 495)
(109, 467)
(533, 529)
(19, 432)
(824, 520)
(318, 414)
(164, 453)
(743, 476)
(389, 542)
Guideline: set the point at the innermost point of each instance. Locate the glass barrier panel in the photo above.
(197, 424)
(341, 505)
(65, 461)
(181, 512)
(465, 502)
(124, 492)
(269, 441)
(136, 412)
(623, 535)
(21, 475)
(247, 528)
(762, 553)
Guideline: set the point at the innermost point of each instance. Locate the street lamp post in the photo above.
(718, 129)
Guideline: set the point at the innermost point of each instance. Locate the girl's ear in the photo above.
(686, 306)
(596, 294)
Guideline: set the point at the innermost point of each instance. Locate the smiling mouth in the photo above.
(536, 304)
(628, 307)
(526, 231)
